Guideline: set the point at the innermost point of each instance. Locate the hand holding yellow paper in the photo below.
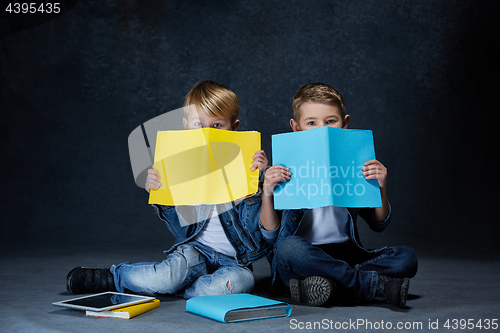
(204, 166)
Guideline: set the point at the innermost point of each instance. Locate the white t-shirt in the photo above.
(325, 225)
(213, 236)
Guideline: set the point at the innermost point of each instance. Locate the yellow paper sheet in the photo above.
(204, 166)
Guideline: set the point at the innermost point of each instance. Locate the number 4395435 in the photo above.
(48, 8)
(471, 324)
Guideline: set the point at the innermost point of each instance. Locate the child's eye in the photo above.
(331, 121)
(216, 125)
(311, 123)
(197, 124)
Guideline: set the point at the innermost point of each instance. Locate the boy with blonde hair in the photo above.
(317, 252)
(217, 243)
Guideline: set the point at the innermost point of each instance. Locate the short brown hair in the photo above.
(320, 93)
(213, 99)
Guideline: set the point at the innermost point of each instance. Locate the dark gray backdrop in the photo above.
(423, 75)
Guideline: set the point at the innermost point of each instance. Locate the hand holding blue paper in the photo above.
(326, 166)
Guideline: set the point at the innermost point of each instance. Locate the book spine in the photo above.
(106, 316)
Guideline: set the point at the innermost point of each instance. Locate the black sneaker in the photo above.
(314, 290)
(81, 280)
(393, 290)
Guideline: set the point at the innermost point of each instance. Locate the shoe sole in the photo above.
(314, 290)
(68, 280)
(405, 286)
(295, 290)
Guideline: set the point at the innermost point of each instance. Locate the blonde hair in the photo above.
(320, 93)
(213, 99)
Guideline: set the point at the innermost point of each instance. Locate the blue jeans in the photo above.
(191, 270)
(354, 270)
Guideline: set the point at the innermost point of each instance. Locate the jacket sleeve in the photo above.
(269, 235)
(169, 216)
(368, 215)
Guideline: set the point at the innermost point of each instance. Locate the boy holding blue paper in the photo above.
(317, 252)
(214, 244)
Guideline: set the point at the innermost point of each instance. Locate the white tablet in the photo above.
(104, 301)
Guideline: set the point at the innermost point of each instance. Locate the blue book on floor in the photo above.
(237, 307)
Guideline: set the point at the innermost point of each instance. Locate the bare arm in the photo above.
(373, 169)
(274, 175)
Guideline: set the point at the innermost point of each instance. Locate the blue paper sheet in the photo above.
(326, 170)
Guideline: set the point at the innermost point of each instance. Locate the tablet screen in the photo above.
(104, 301)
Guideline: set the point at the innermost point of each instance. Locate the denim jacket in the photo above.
(291, 220)
(240, 221)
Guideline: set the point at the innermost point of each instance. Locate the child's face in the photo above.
(196, 119)
(314, 115)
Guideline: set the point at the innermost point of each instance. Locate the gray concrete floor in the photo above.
(445, 290)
